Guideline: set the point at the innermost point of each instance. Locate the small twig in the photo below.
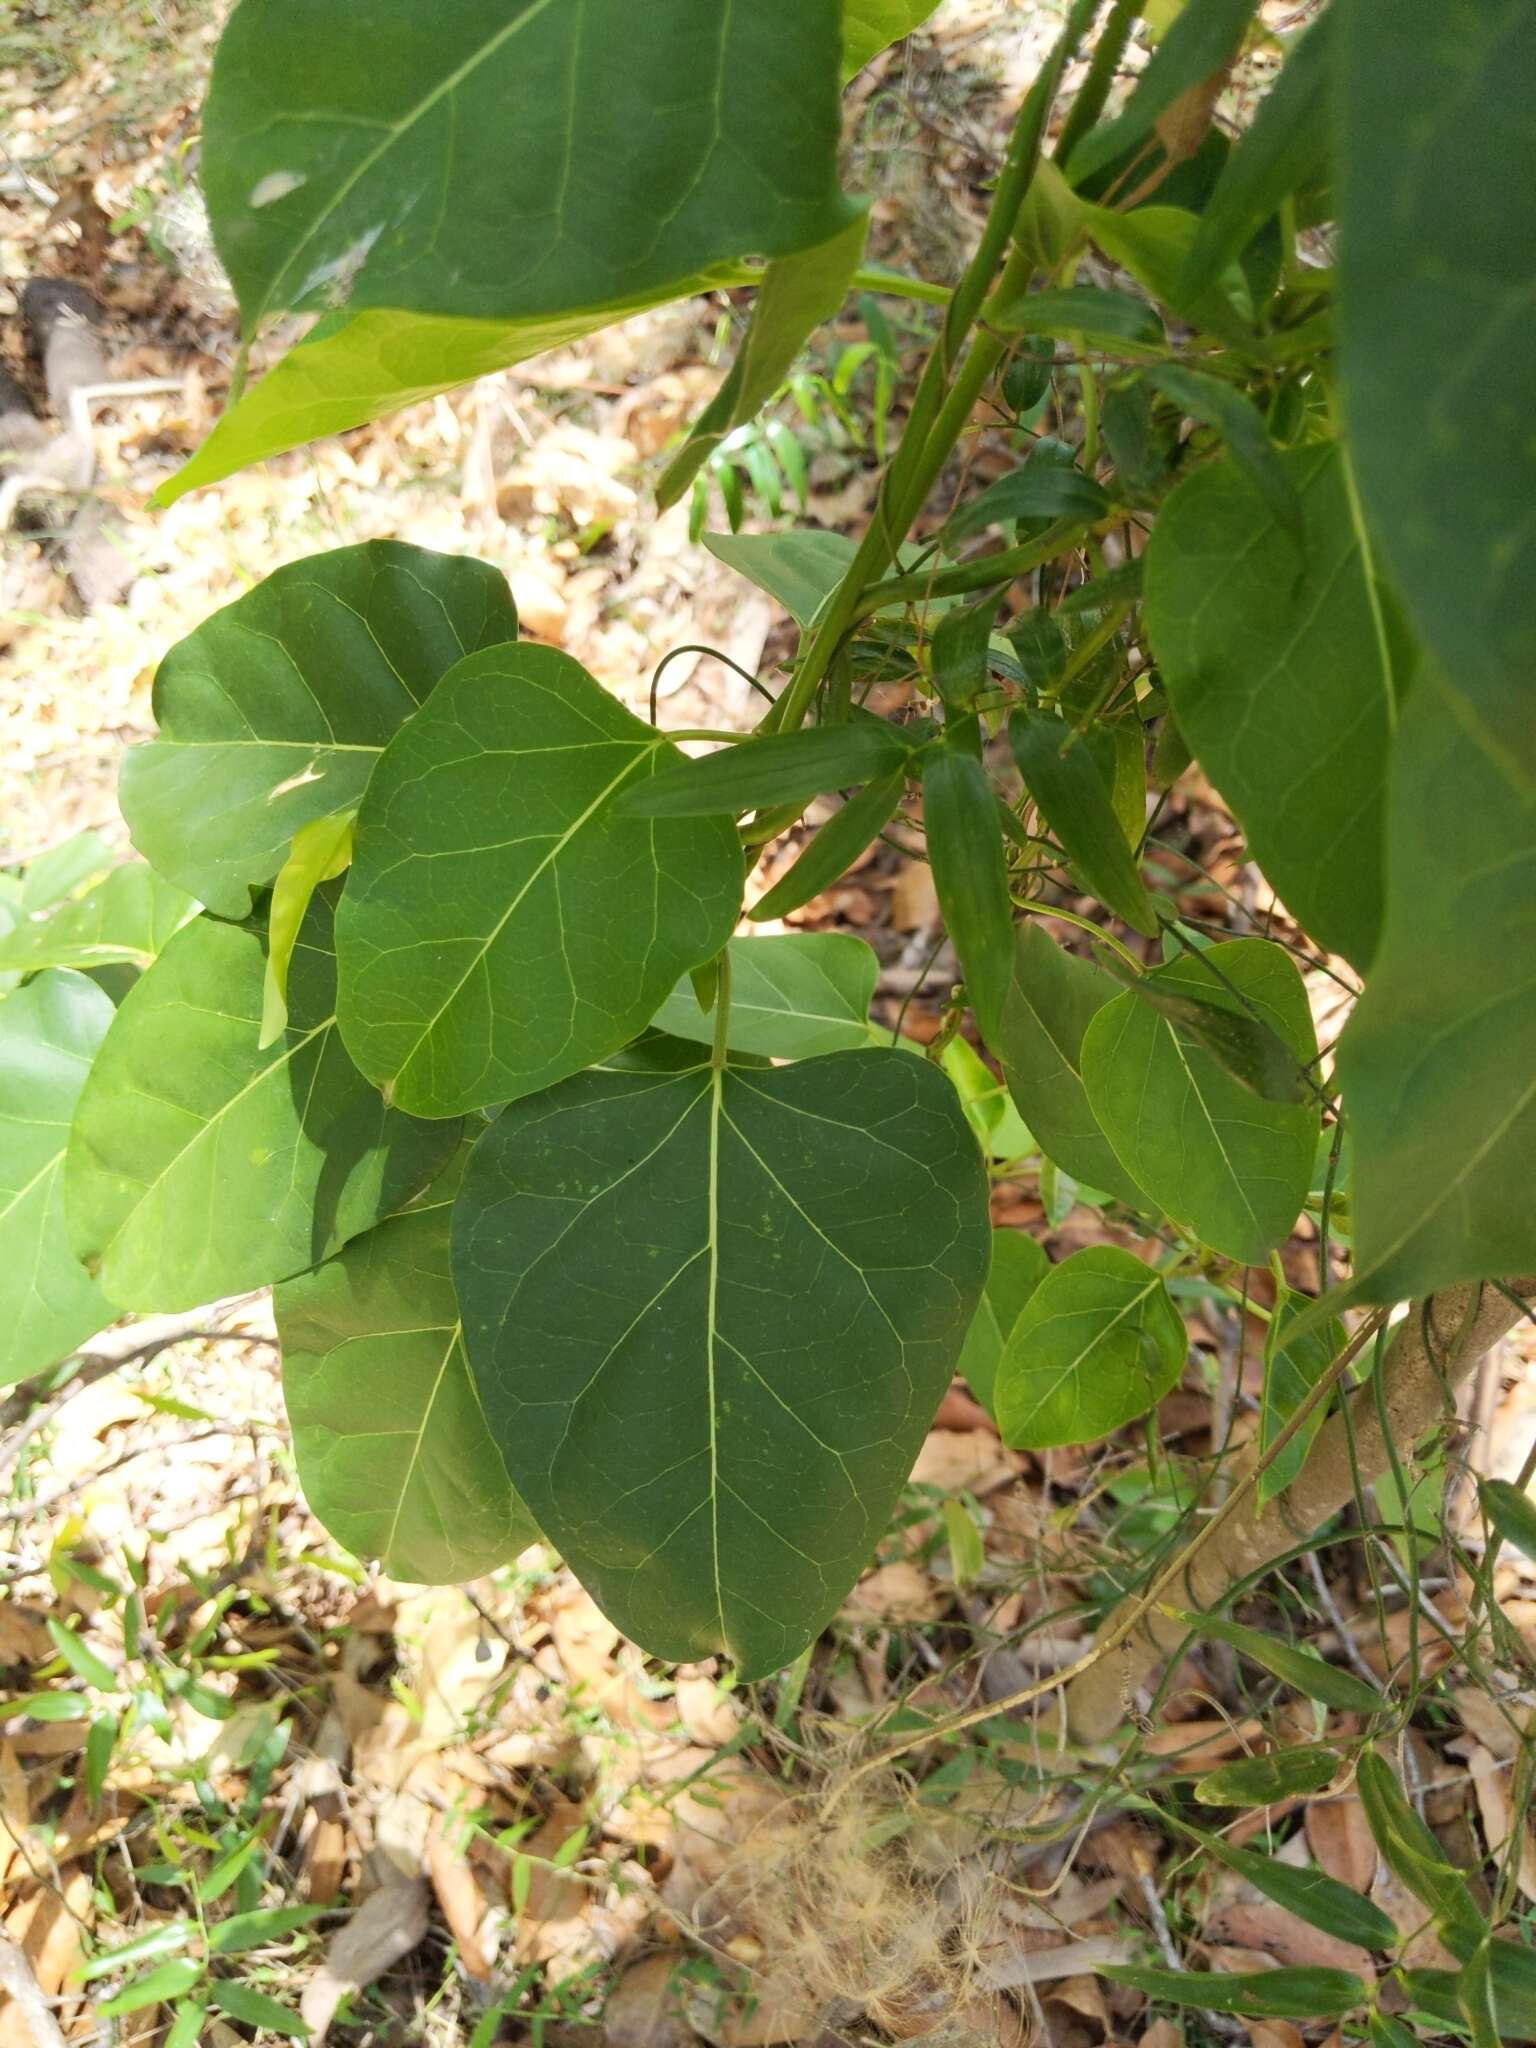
(26, 1994)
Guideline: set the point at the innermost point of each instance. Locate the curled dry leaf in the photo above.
(385, 1927)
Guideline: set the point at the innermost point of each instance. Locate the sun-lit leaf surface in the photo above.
(711, 1315)
(505, 923)
(497, 161)
(1019, 1264)
(1261, 1780)
(1098, 1343)
(1051, 999)
(393, 1450)
(1438, 1062)
(225, 1167)
(49, 1033)
(1292, 1368)
(1437, 269)
(68, 869)
(275, 711)
(126, 918)
(870, 26)
(1229, 1165)
(321, 851)
(1280, 674)
(797, 294)
(792, 996)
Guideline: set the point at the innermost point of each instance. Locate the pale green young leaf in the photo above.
(1019, 1264)
(224, 1167)
(1051, 999)
(1231, 1166)
(792, 996)
(321, 851)
(1280, 674)
(1098, 1343)
(870, 26)
(50, 1031)
(711, 1315)
(275, 710)
(798, 570)
(505, 922)
(797, 294)
(1438, 1062)
(1437, 265)
(408, 1475)
(1263, 1780)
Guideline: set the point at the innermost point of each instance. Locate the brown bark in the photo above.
(1466, 1323)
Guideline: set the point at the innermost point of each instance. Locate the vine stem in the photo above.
(948, 388)
(1144, 1604)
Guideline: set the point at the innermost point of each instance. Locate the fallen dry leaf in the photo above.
(971, 1460)
(710, 1716)
(1490, 1782)
(1275, 1932)
(899, 1592)
(1274, 2034)
(463, 1905)
(385, 1927)
(646, 2007)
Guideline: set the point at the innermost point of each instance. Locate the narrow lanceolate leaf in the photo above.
(549, 158)
(392, 1445)
(966, 853)
(199, 1165)
(505, 923)
(1280, 674)
(1099, 1342)
(1435, 290)
(777, 768)
(1438, 1062)
(791, 997)
(711, 1315)
(1036, 490)
(125, 918)
(1292, 1368)
(1310, 1894)
(1415, 1855)
(1051, 999)
(1204, 38)
(1305, 1993)
(1019, 1264)
(1284, 146)
(835, 847)
(1229, 1165)
(798, 570)
(1092, 311)
(274, 712)
(49, 1034)
(797, 293)
(1309, 1676)
(1262, 1780)
(1063, 775)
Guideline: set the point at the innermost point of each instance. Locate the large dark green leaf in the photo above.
(711, 1315)
(49, 1034)
(505, 924)
(792, 997)
(497, 159)
(1098, 1343)
(796, 295)
(275, 711)
(123, 920)
(1063, 774)
(1229, 1165)
(393, 1450)
(199, 1165)
(1280, 675)
(1019, 1264)
(1437, 268)
(969, 874)
(1051, 999)
(1438, 1063)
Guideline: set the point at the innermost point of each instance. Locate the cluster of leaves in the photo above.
(460, 1052)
